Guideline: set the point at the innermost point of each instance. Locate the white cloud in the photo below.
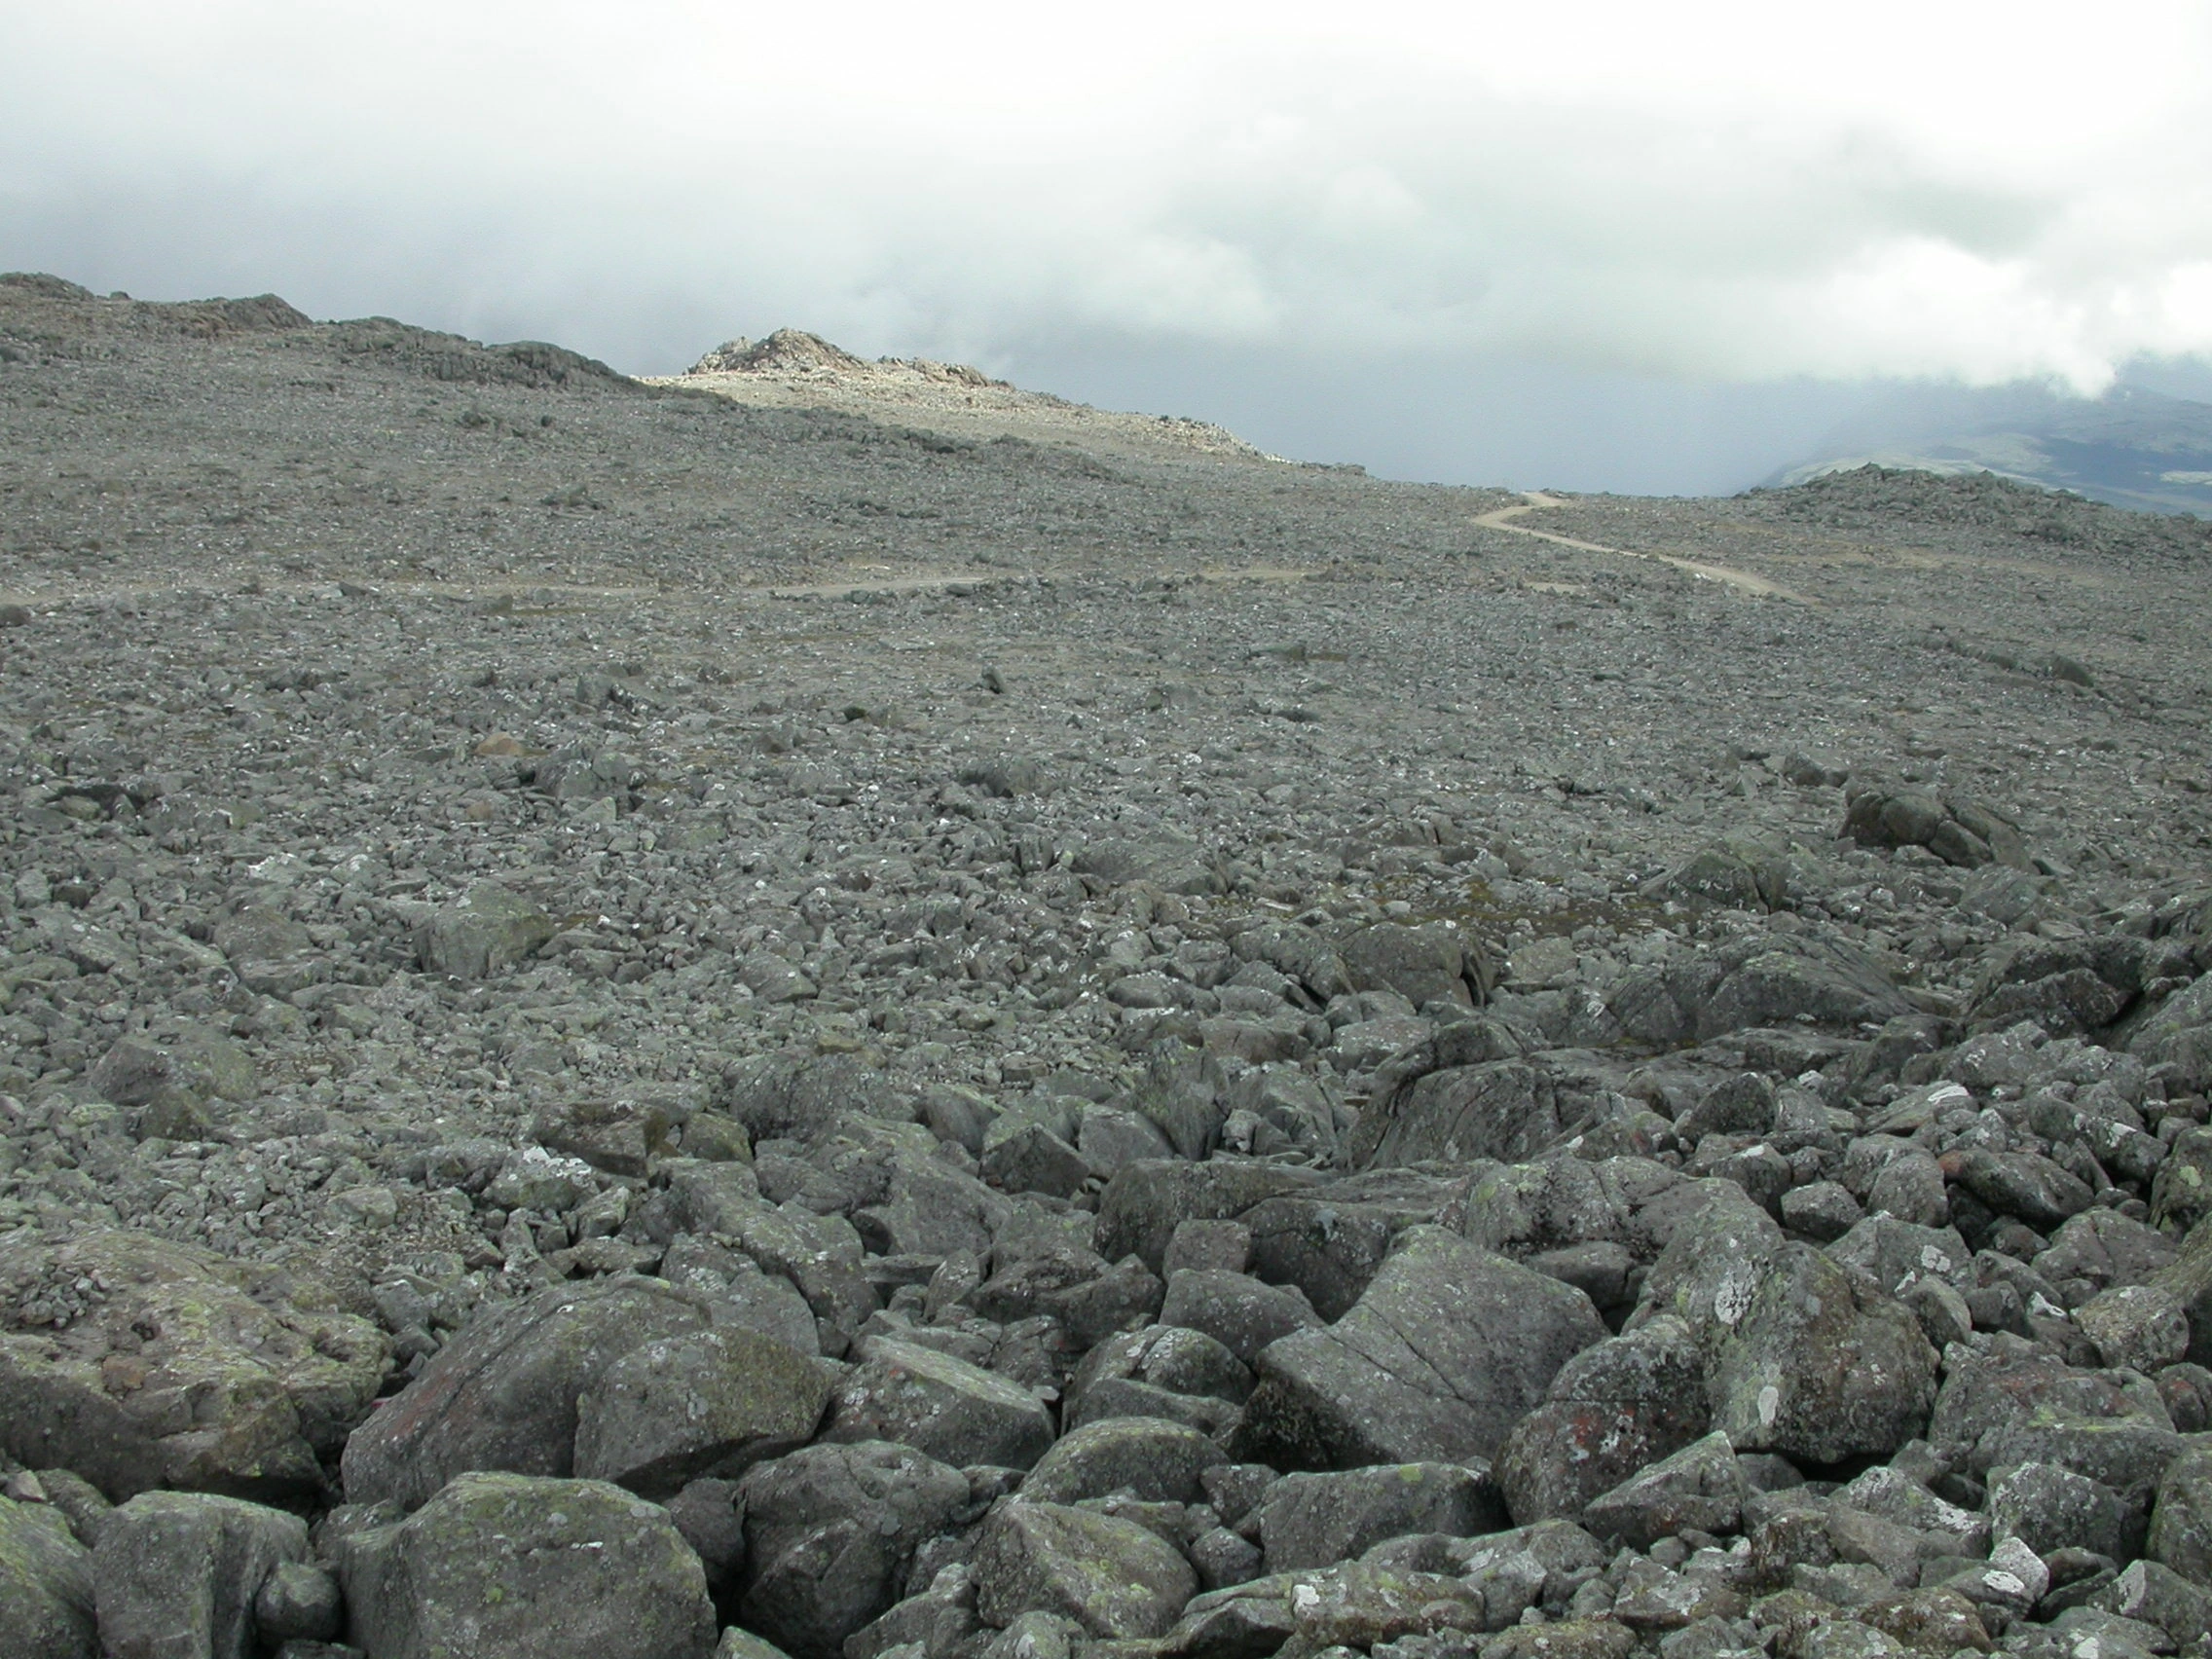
(1714, 191)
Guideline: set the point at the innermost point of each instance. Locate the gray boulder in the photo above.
(503, 1393)
(299, 1602)
(1763, 980)
(194, 1371)
(2180, 1525)
(830, 1533)
(1504, 1109)
(1811, 1360)
(179, 1055)
(2136, 1327)
(940, 1405)
(1423, 964)
(680, 1407)
(1241, 1313)
(177, 1573)
(2179, 1034)
(1164, 1370)
(524, 1566)
(1152, 1458)
(1146, 1200)
(1700, 1486)
(1955, 828)
(46, 1586)
(1611, 1410)
(485, 931)
(1116, 1579)
(2050, 1508)
(1318, 1519)
(1446, 1351)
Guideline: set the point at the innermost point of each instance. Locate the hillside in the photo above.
(874, 1019)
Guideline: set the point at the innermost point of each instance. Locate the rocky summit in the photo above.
(828, 1011)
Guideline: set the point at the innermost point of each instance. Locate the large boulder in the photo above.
(1759, 980)
(1328, 1244)
(1174, 864)
(1810, 1359)
(272, 953)
(525, 1566)
(1153, 1458)
(2181, 1526)
(1236, 1310)
(143, 1067)
(1427, 964)
(1163, 1371)
(1355, 1604)
(1612, 1409)
(182, 1368)
(1318, 1519)
(2179, 1034)
(684, 1406)
(804, 1095)
(1504, 1109)
(485, 931)
(830, 1533)
(178, 1573)
(46, 1586)
(1147, 1199)
(939, 1404)
(1700, 1486)
(1446, 1349)
(1957, 829)
(502, 1394)
(1114, 1578)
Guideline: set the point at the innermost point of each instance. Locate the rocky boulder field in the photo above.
(642, 1024)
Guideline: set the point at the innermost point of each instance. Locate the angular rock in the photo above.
(1351, 1604)
(680, 1407)
(1145, 1201)
(2136, 1327)
(1112, 1576)
(1422, 964)
(2180, 1525)
(2049, 1508)
(1446, 1351)
(1613, 1408)
(46, 1586)
(1697, 1487)
(1318, 1519)
(1151, 1459)
(502, 1395)
(299, 1602)
(830, 1533)
(485, 931)
(192, 1370)
(526, 1566)
(1507, 1109)
(940, 1405)
(1239, 1312)
(177, 1573)
(1808, 1359)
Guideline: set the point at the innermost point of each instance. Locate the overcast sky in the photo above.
(1599, 245)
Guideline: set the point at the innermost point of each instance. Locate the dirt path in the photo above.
(1741, 581)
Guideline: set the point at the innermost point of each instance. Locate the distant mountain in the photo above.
(2132, 448)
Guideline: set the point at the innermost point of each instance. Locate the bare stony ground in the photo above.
(652, 1020)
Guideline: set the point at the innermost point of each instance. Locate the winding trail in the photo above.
(1741, 581)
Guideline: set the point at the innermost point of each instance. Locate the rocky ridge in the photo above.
(636, 1025)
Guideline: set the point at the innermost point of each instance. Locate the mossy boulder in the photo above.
(177, 1368)
(522, 1567)
(46, 1586)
